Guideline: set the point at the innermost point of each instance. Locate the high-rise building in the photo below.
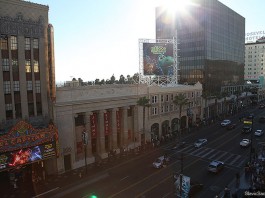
(28, 137)
(211, 40)
(255, 63)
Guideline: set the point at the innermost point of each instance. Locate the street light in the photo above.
(251, 139)
(85, 141)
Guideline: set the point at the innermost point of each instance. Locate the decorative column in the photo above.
(88, 130)
(101, 139)
(136, 137)
(125, 126)
(113, 143)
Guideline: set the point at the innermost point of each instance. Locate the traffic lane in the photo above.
(122, 176)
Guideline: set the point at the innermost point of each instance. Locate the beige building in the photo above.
(111, 119)
(27, 90)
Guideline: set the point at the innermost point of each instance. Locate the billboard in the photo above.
(27, 155)
(185, 186)
(158, 58)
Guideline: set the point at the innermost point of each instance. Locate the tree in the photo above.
(143, 102)
(122, 79)
(206, 95)
(112, 79)
(180, 100)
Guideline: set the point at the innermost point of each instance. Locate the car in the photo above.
(245, 143)
(261, 106)
(159, 162)
(246, 129)
(195, 187)
(179, 146)
(262, 119)
(200, 142)
(216, 166)
(259, 132)
(231, 126)
(224, 123)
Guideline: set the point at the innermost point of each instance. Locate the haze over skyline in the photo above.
(96, 39)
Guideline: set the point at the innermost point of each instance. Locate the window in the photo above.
(35, 43)
(27, 43)
(172, 97)
(8, 107)
(162, 109)
(15, 65)
(4, 42)
(27, 66)
(16, 85)
(7, 87)
(162, 98)
(36, 66)
(5, 64)
(37, 84)
(29, 85)
(154, 111)
(167, 108)
(167, 98)
(13, 40)
(154, 99)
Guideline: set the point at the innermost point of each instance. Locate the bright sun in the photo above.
(174, 6)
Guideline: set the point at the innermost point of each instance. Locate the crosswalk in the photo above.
(204, 152)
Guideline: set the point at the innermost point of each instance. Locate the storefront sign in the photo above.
(118, 121)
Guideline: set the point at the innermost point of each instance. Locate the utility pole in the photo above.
(85, 141)
(251, 139)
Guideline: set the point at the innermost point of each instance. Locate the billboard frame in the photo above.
(162, 80)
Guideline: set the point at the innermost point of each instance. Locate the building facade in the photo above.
(28, 138)
(255, 63)
(210, 39)
(112, 120)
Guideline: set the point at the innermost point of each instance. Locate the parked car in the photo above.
(160, 161)
(200, 142)
(245, 143)
(259, 132)
(231, 126)
(224, 123)
(246, 129)
(216, 166)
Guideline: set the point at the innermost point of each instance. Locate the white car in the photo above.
(259, 132)
(200, 142)
(245, 142)
(225, 123)
(160, 161)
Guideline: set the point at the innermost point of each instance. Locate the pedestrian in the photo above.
(226, 192)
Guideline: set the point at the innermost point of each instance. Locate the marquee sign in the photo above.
(24, 135)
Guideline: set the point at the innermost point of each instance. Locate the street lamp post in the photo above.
(85, 141)
(251, 139)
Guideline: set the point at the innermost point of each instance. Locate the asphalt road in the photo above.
(139, 179)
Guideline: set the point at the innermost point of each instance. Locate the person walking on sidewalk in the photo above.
(227, 192)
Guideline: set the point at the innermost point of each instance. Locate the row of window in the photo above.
(28, 68)
(14, 43)
(255, 47)
(163, 98)
(16, 86)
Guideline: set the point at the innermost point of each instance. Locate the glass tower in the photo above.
(211, 39)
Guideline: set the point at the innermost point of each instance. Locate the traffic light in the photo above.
(93, 195)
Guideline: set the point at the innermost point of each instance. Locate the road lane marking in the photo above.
(236, 158)
(124, 178)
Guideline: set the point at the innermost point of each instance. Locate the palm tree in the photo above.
(143, 102)
(206, 95)
(180, 100)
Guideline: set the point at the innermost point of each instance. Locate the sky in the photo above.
(100, 38)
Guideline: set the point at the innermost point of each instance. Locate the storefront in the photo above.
(26, 154)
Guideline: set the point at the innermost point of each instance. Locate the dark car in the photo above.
(262, 119)
(261, 106)
(179, 145)
(195, 187)
(246, 129)
(231, 126)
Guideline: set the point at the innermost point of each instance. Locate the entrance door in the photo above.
(67, 162)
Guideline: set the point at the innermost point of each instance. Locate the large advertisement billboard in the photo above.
(158, 59)
(27, 155)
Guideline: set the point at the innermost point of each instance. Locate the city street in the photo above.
(139, 179)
